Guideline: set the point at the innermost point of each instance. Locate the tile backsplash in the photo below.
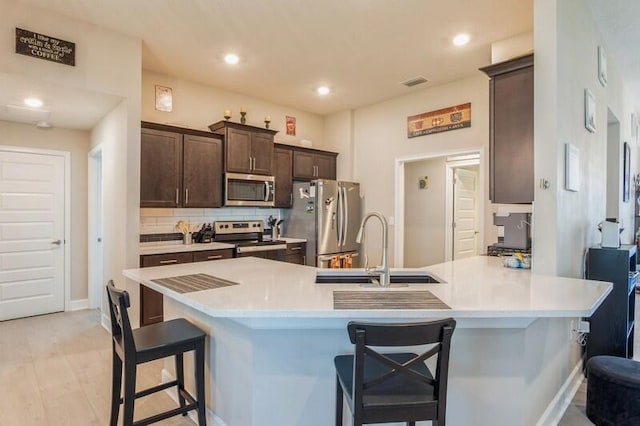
(163, 221)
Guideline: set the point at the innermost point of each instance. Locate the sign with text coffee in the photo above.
(36, 45)
(441, 120)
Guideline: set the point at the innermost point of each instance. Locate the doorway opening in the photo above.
(439, 207)
(96, 275)
(614, 172)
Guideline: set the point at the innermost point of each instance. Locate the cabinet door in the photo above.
(304, 164)
(202, 175)
(238, 146)
(151, 304)
(325, 166)
(160, 168)
(283, 172)
(262, 153)
(512, 139)
(296, 253)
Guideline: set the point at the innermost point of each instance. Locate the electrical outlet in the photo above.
(584, 326)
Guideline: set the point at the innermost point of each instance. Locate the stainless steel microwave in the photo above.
(249, 190)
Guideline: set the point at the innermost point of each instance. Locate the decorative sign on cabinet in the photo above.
(511, 130)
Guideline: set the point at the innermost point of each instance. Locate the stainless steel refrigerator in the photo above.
(327, 214)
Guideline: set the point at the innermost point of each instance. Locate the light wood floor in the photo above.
(55, 370)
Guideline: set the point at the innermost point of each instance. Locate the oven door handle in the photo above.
(254, 249)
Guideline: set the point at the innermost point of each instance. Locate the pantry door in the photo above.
(32, 232)
(465, 214)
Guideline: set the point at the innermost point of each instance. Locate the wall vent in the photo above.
(415, 81)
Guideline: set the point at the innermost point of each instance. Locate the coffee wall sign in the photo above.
(441, 120)
(45, 47)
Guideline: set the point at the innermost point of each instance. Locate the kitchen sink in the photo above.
(359, 276)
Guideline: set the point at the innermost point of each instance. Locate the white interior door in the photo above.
(32, 202)
(465, 213)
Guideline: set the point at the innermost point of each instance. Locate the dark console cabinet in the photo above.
(612, 325)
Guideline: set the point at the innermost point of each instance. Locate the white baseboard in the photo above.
(77, 305)
(558, 405)
(105, 321)
(212, 419)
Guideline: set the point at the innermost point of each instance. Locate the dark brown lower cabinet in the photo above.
(296, 253)
(151, 304)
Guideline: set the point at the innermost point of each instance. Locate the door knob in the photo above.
(56, 242)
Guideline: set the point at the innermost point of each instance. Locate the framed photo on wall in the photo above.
(627, 173)
(589, 111)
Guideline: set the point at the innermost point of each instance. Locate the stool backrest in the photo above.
(437, 333)
(120, 325)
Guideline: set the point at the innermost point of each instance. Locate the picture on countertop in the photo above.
(291, 125)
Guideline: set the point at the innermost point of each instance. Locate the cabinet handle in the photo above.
(186, 196)
(177, 195)
(216, 256)
(250, 168)
(304, 260)
(254, 164)
(291, 198)
(296, 248)
(166, 262)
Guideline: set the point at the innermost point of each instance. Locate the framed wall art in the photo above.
(589, 111)
(626, 176)
(602, 66)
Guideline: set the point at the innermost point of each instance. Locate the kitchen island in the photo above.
(273, 336)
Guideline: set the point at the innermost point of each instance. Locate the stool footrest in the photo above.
(154, 389)
(165, 415)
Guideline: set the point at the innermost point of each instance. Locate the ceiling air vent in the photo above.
(414, 81)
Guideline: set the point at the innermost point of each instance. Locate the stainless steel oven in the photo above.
(249, 190)
(247, 237)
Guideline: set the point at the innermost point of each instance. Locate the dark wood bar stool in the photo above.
(133, 347)
(394, 387)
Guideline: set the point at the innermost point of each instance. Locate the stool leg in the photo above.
(129, 392)
(339, 402)
(116, 387)
(199, 367)
(180, 379)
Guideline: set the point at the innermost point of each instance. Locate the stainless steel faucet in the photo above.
(382, 270)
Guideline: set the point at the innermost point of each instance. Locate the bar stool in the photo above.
(133, 347)
(395, 387)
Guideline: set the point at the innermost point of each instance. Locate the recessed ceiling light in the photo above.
(33, 102)
(231, 59)
(461, 39)
(323, 90)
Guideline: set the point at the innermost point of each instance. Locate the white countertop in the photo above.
(171, 247)
(478, 287)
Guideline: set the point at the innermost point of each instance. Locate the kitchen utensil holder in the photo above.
(187, 238)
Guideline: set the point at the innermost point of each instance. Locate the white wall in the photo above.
(424, 215)
(380, 137)
(566, 41)
(338, 137)
(106, 62)
(195, 106)
(77, 143)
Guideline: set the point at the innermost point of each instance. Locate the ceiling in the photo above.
(361, 49)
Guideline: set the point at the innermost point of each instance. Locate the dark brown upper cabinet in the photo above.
(511, 178)
(249, 149)
(283, 173)
(312, 164)
(179, 167)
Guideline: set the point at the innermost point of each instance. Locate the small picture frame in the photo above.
(290, 124)
(602, 66)
(164, 99)
(571, 168)
(589, 111)
(626, 177)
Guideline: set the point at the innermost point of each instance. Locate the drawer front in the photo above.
(296, 248)
(166, 259)
(203, 256)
